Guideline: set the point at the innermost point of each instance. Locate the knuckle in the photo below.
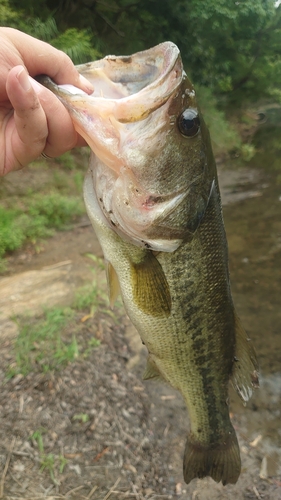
(40, 140)
(65, 60)
(65, 69)
(29, 109)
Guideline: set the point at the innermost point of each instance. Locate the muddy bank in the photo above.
(105, 431)
(110, 434)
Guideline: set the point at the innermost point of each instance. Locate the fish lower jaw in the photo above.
(142, 241)
(138, 227)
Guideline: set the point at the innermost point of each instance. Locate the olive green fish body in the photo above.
(192, 346)
(153, 198)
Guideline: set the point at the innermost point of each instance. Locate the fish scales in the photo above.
(184, 350)
(196, 319)
(152, 195)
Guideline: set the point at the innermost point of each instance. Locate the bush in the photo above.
(223, 134)
(38, 217)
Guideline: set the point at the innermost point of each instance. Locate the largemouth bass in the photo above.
(153, 198)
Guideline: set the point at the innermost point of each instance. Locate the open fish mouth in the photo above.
(141, 162)
(126, 121)
(144, 81)
(127, 90)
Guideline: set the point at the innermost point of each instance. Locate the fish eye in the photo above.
(189, 122)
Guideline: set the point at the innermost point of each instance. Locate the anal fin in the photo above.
(245, 366)
(151, 371)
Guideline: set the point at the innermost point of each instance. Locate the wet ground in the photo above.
(254, 235)
(252, 212)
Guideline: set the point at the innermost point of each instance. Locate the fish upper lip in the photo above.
(160, 68)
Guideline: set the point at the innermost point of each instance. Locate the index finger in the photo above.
(41, 58)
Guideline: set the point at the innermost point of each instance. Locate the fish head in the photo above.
(152, 165)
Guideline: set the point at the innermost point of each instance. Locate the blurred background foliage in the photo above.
(231, 52)
(230, 49)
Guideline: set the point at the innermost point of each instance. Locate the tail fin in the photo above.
(220, 461)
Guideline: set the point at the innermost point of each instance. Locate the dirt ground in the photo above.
(106, 433)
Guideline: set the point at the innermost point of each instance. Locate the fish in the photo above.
(153, 198)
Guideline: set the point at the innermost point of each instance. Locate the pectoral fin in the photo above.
(245, 367)
(112, 283)
(150, 287)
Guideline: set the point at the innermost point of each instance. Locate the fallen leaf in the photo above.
(72, 455)
(256, 441)
(99, 455)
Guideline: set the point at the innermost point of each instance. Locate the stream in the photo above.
(253, 229)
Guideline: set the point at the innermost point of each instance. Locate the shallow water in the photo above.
(254, 236)
(253, 228)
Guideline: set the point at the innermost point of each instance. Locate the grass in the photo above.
(81, 417)
(37, 217)
(49, 200)
(39, 345)
(49, 343)
(44, 343)
(53, 464)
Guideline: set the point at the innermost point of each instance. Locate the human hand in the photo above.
(32, 119)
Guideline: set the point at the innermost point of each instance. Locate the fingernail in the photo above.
(35, 85)
(86, 84)
(23, 79)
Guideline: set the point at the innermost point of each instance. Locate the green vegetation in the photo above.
(77, 44)
(82, 417)
(231, 51)
(35, 216)
(53, 464)
(224, 135)
(43, 212)
(43, 344)
(32, 212)
(231, 47)
(39, 344)
(90, 296)
(51, 341)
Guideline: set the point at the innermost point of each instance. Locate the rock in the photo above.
(31, 291)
